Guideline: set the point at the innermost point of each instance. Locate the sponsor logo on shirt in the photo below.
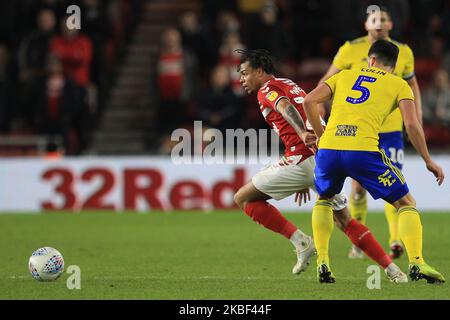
(271, 96)
(346, 131)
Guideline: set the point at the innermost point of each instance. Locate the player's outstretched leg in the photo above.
(410, 232)
(322, 225)
(358, 211)
(253, 203)
(363, 239)
(395, 244)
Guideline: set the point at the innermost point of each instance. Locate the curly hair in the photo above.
(258, 58)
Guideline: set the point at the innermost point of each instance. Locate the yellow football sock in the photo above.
(410, 232)
(322, 225)
(392, 219)
(358, 208)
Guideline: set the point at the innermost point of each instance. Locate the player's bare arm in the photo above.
(417, 137)
(293, 117)
(320, 94)
(332, 70)
(418, 99)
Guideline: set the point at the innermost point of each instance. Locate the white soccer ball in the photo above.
(46, 264)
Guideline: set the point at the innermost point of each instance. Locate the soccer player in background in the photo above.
(351, 55)
(280, 103)
(362, 99)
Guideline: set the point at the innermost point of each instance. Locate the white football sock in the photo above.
(392, 268)
(299, 239)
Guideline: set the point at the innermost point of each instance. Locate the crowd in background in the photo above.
(303, 36)
(53, 80)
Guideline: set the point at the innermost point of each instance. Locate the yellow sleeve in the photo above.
(408, 72)
(331, 81)
(405, 92)
(341, 59)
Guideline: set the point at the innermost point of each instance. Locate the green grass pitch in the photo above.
(196, 255)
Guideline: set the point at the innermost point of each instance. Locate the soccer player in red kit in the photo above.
(280, 102)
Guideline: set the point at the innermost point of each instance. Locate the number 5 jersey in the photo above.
(362, 99)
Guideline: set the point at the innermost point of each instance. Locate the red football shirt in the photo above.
(170, 75)
(268, 96)
(76, 55)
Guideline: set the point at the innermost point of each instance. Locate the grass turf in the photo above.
(195, 255)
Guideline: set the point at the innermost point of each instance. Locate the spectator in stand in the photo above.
(250, 10)
(195, 39)
(268, 33)
(7, 88)
(96, 25)
(8, 21)
(446, 62)
(226, 22)
(59, 7)
(444, 21)
(436, 100)
(211, 9)
(75, 51)
(54, 150)
(176, 80)
(56, 101)
(32, 57)
(231, 59)
(34, 47)
(219, 107)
